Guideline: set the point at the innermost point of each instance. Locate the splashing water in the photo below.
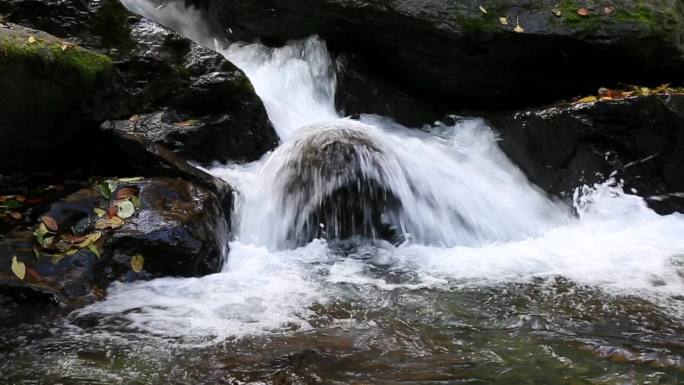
(468, 214)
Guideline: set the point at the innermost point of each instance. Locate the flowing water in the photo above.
(453, 270)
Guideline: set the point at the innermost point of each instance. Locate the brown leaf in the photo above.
(126, 192)
(113, 211)
(50, 223)
(15, 215)
(608, 10)
(583, 12)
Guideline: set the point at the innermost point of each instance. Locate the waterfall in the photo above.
(456, 211)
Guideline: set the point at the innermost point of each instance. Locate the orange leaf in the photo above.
(50, 223)
(113, 211)
(583, 12)
(126, 192)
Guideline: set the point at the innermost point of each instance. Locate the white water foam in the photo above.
(616, 243)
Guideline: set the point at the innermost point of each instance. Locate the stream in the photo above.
(482, 279)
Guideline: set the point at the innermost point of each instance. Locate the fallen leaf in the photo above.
(134, 118)
(483, 9)
(116, 222)
(47, 242)
(104, 190)
(99, 212)
(65, 46)
(588, 99)
(31, 39)
(131, 180)
(18, 268)
(90, 239)
(136, 202)
(557, 11)
(40, 233)
(15, 215)
(112, 184)
(113, 211)
(21, 198)
(50, 223)
(503, 20)
(518, 29)
(126, 192)
(106, 223)
(137, 262)
(95, 250)
(186, 123)
(583, 12)
(125, 209)
(608, 10)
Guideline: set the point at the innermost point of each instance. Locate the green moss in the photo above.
(83, 62)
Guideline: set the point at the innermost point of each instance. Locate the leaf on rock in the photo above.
(31, 39)
(136, 202)
(583, 12)
(40, 233)
(483, 9)
(90, 239)
(608, 10)
(519, 29)
(137, 262)
(557, 11)
(126, 192)
(99, 212)
(113, 211)
(503, 20)
(15, 215)
(131, 180)
(126, 209)
(588, 99)
(104, 190)
(95, 250)
(50, 223)
(18, 268)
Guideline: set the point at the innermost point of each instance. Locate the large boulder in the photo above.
(51, 89)
(473, 53)
(639, 140)
(151, 69)
(117, 229)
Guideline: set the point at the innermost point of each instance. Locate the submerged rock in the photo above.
(473, 53)
(118, 229)
(639, 140)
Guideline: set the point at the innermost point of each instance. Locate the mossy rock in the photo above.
(52, 90)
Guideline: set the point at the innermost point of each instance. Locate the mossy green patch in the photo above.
(87, 64)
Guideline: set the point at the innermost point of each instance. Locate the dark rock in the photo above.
(205, 140)
(641, 139)
(178, 229)
(152, 68)
(50, 92)
(453, 52)
(353, 201)
(151, 159)
(359, 91)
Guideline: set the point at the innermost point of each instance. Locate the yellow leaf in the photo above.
(90, 239)
(503, 20)
(137, 263)
(64, 46)
(18, 268)
(519, 29)
(99, 212)
(31, 39)
(483, 9)
(588, 99)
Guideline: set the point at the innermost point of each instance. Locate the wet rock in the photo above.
(205, 140)
(360, 92)
(641, 139)
(453, 51)
(152, 159)
(52, 91)
(353, 200)
(153, 69)
(89, 239)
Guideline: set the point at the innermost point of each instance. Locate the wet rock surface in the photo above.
(118, 229)
(150, 68)
(639, 140)
(473, 57)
